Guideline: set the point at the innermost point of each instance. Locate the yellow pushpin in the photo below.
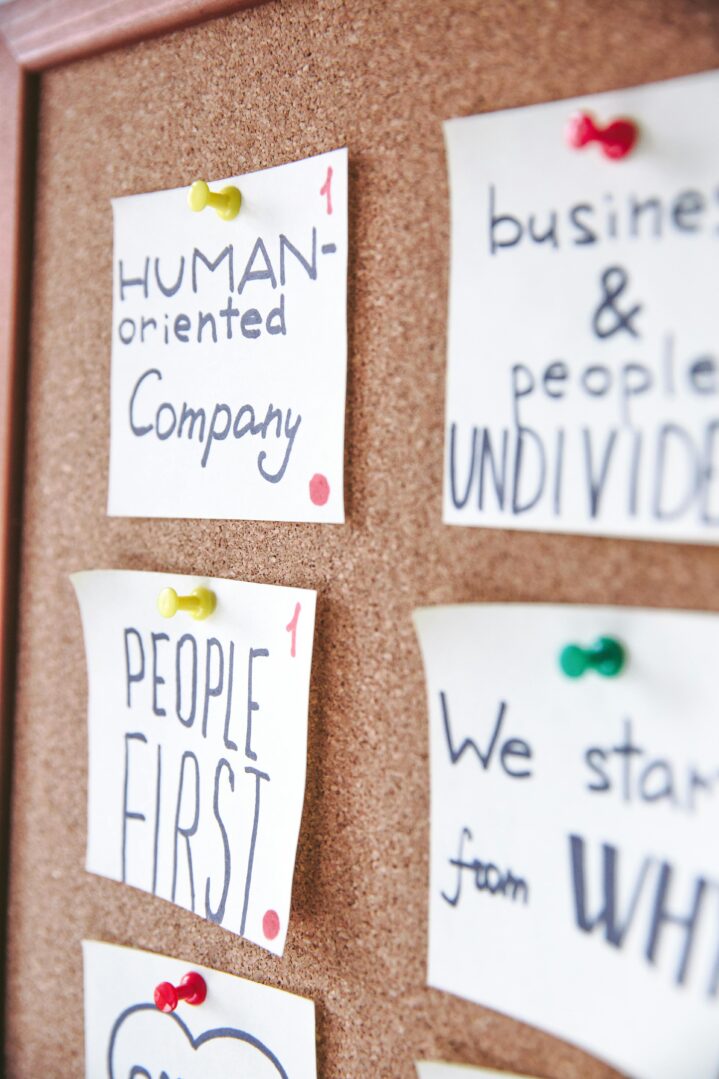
(200, 603)
(225, 203)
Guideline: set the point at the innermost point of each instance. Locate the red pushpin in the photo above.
(192, 988)
(615, 140)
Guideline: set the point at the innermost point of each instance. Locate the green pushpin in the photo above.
(606, 656)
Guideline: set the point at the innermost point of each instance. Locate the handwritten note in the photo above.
(229, 350)
(198, 744)
(583, 372)
(574, 868)
(430, 1069)
(240, 1029)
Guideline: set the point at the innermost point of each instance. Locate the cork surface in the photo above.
(252, 90)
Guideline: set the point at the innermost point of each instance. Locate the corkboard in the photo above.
(245, 92)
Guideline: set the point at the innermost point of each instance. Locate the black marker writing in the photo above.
(608, 318)
(638, 218)
(170, 817)
(506, 749)
(646, 914)
(487, 877)
(163, 420)
(632, 773)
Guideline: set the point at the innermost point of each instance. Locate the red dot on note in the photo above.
(319, 489)
(271, 924)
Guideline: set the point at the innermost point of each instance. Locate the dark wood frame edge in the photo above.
(61, 32)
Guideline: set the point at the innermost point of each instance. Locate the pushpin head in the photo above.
(168, 602)
(616, 140)
(198, 196)
(192, 989)
(200, 603)
(225, 203)
(606, 656)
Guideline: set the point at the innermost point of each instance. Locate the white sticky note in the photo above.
(229, 350)
(583, 368)
(574, 867)
(433, 1069)
(241, 1029)
(198, 744)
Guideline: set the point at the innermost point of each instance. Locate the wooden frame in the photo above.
(35, 36)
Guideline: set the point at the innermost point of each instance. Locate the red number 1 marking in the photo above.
(326, 189)
(292, 628)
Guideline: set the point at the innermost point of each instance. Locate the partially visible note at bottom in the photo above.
(241, 1028)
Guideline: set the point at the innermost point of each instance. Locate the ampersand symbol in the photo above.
(614, 282)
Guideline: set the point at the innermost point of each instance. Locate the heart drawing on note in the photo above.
(148, 1044)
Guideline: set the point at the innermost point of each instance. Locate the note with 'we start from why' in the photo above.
(197, 735)
(574, 868)
(229, 349)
